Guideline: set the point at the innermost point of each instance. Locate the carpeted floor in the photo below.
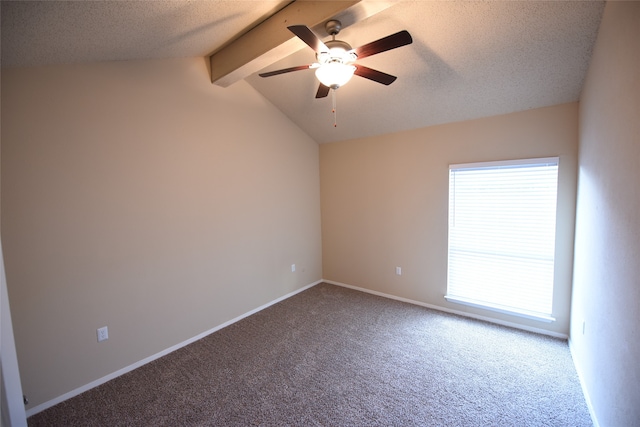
(336, 357)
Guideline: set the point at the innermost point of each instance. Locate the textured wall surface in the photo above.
(385, 203)
(138, 196)
(605, 338)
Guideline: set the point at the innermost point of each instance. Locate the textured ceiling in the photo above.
(60, 32)
(468, 59)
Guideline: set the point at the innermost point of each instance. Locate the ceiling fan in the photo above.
(336, 58)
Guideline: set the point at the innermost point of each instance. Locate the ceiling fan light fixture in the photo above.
(335, 74)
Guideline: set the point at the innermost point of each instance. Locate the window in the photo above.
(502, 226)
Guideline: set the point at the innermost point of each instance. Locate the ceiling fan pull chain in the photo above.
(335, 119)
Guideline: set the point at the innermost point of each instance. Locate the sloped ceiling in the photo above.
(468, 59)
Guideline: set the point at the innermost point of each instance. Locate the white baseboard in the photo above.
(146, 360)
(448, 310)
(585, 391)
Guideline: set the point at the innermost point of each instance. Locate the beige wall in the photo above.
(607, 269)
(385, 199)
(138, 196)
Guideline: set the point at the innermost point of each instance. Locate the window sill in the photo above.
(500, 309)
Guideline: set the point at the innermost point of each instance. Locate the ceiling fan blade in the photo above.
(323, 91)
(285, 70)
(401, 38)
(375, 75)
(306, 35)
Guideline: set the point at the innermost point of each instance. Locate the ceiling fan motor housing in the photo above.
(339, 51)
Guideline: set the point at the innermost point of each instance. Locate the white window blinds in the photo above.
(502, 223)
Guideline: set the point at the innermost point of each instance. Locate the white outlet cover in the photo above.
(103, 334)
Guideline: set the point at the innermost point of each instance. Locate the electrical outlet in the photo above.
(103, 334)
(293, 268)
(399, 271)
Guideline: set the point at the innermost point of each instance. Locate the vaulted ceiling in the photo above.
(468, 59)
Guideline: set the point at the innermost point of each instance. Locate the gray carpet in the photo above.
(336, 357)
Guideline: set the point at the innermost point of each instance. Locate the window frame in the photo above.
(529, 162)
